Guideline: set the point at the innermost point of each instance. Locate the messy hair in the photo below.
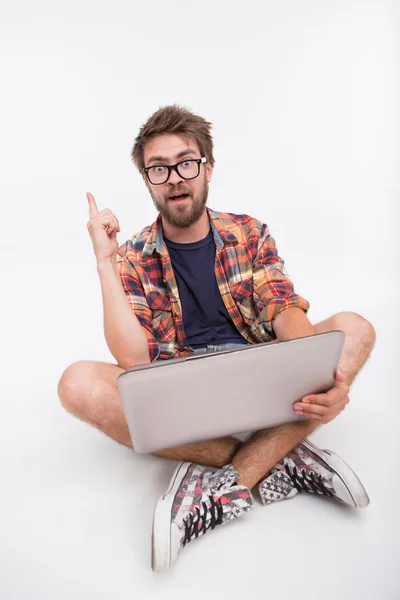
(176, 120)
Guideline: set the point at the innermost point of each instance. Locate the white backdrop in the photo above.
(304, 101)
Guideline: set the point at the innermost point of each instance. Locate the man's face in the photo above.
(186, 210)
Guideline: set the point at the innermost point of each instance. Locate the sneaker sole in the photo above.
(161, 534)
(351, 490)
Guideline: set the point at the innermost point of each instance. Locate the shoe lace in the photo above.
(307, 482)
(196, 522)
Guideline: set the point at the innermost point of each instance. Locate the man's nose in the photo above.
(174, 177)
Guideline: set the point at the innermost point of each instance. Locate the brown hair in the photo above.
(176, 120)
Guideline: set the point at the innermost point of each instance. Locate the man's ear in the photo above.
(209, 170)
(146, 181)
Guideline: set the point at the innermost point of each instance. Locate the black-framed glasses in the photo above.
(187, 169)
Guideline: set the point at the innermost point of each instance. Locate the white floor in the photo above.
(76, 508)
(307, 92)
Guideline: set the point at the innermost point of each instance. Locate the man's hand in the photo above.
(323, 408)
(103, 227)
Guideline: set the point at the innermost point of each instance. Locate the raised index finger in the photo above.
(93, 210)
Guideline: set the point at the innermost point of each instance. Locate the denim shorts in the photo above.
(218, 347)
(213, 348)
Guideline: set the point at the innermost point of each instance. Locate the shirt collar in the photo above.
(155, 241)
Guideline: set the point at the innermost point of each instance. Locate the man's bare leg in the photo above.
(267, 447)
(89, 391)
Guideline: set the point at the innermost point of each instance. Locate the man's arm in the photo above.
(125, 337)
(282, 312)
(292, 323)
(128, 333)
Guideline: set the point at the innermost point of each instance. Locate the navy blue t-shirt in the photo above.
(205, 318)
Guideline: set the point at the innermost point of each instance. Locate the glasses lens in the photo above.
(158, 174)
(188, 169)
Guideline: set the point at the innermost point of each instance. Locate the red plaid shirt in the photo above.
(251, 277)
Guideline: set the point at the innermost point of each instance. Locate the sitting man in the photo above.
(197, 280)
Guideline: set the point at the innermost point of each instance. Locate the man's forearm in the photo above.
(124, 335)
(292, 323)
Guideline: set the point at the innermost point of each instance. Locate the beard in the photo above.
(182, 215)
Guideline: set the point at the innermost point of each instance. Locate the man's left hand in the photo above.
(322, 408)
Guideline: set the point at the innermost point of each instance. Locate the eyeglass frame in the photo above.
(199, 161)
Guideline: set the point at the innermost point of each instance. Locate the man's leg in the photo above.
(267, 447)
(89, 391)
(359, 340)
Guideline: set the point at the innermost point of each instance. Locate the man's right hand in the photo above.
(103, 227)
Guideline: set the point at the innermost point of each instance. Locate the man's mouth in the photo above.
(179, 197)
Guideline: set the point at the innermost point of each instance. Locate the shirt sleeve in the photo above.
(136, 297)
(273, 290)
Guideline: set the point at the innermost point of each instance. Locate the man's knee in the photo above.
(356, 326)
(75, 386)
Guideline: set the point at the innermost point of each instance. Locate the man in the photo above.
(197, 280)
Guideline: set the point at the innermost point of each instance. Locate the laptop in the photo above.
(204, 396)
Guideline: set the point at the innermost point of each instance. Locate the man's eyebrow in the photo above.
(164, 160)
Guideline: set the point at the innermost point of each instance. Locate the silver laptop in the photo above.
(204, 396)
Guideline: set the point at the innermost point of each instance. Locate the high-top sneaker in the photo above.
(198, 499)
(307, 468)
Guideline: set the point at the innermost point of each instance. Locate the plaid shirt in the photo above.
(251, 278)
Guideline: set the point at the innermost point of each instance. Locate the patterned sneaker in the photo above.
(198, 499)
(310, 469)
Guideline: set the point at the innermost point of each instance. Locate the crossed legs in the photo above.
(88, 390)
